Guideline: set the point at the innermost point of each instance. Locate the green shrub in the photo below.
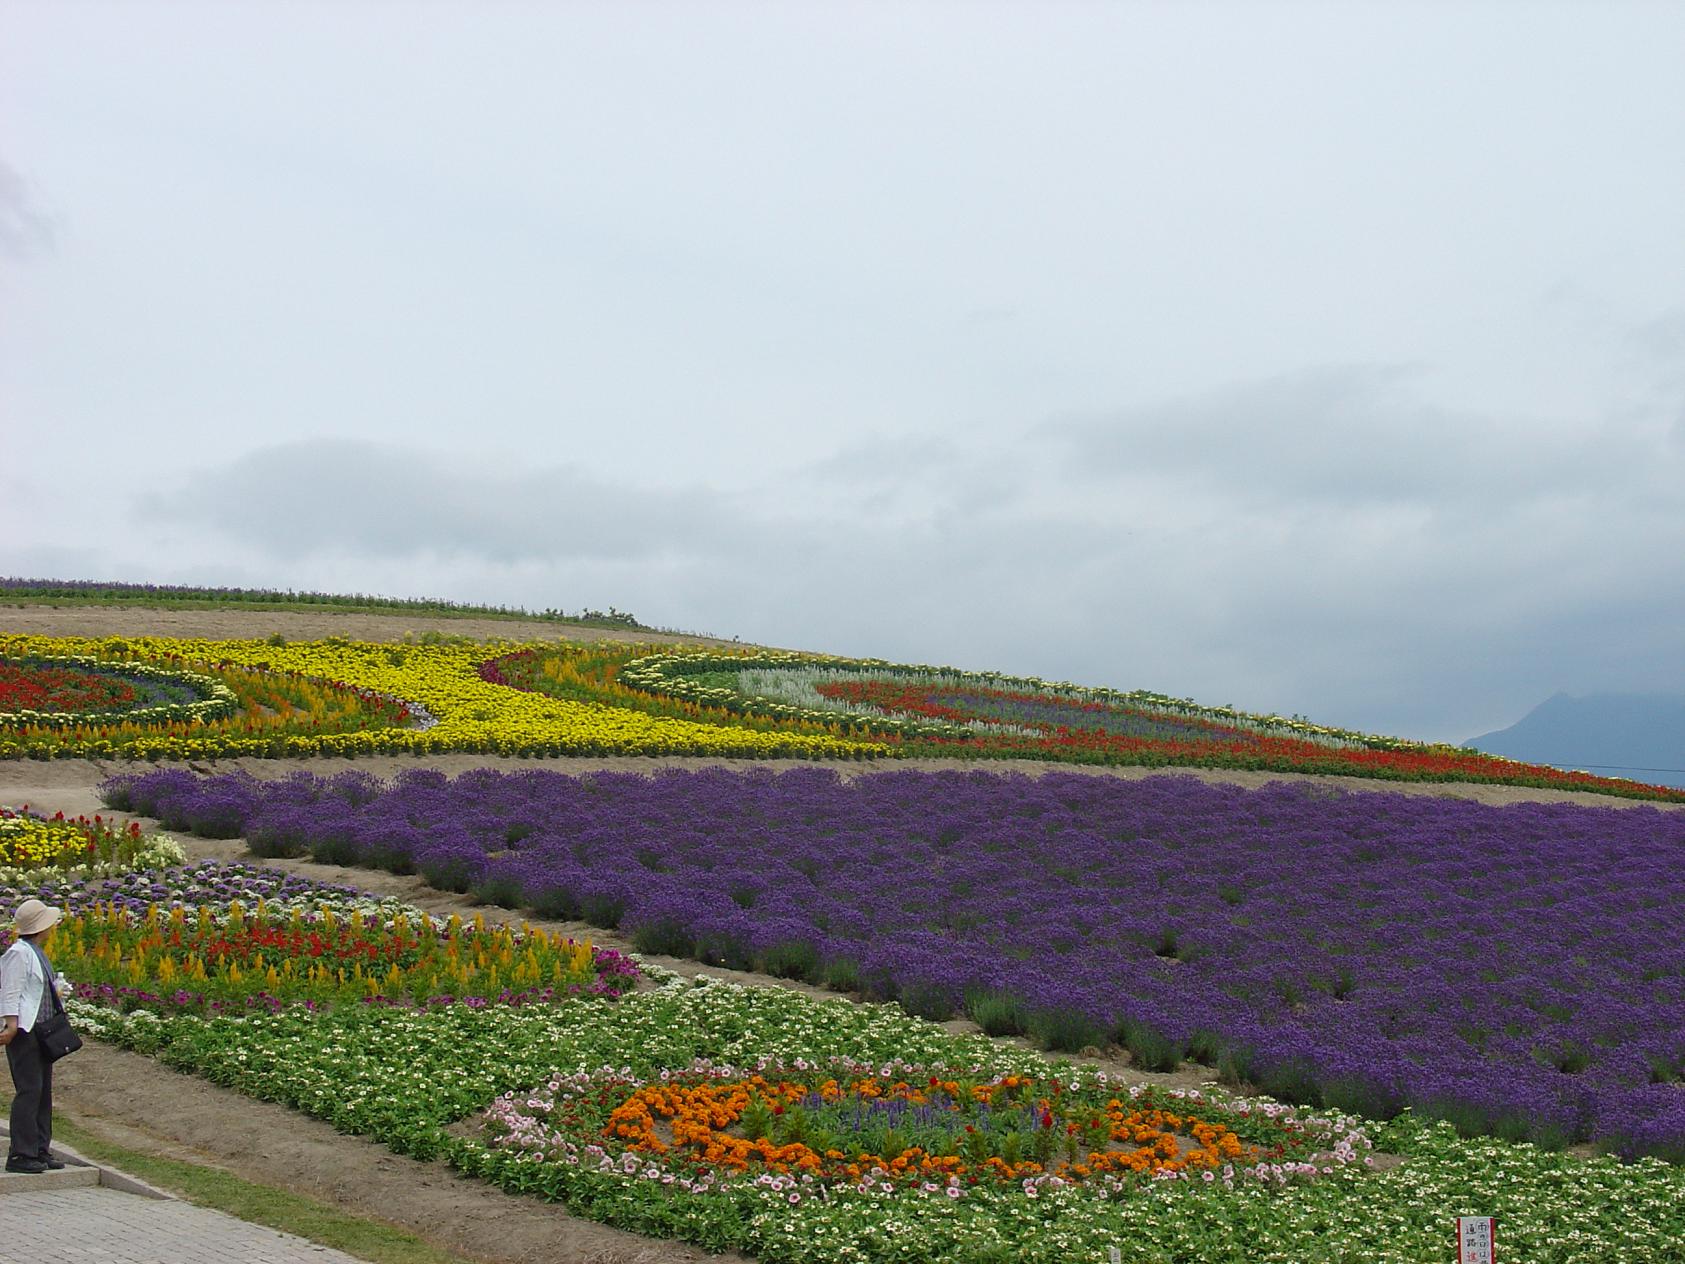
(1148, 1047)
(930, 1001)
(1064, 1030)
(792, 959)
(998, 1013)
(664, 936)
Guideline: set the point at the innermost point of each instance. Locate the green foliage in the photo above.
(1149, 1048)
(1064, 1030)
(998, 1013)
(665, 937)
(793, 959)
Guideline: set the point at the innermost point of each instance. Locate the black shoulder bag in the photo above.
(54, 1033)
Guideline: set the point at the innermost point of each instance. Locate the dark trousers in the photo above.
(32, 1108)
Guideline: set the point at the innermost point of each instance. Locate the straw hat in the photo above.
(34, 917)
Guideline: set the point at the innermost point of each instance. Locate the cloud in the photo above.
(25, 231)
(914, 479)
(1661, 340)
(385, 501)
(1342, 436)
(1342, 589)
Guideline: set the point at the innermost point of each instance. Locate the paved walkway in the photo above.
(69, 1219)
(94, 1225)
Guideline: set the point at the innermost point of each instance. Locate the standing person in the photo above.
(27, 988)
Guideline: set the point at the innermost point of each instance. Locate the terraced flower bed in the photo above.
(1497, 970)
(60, 689)
(84, 691)
(833, 1130)
(361, 698)
(207, 883)
(194, 702)
(943, 712)
(1509, 969)
(346, 698)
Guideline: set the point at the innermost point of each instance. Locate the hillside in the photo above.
(1641, 736)
(837, 865)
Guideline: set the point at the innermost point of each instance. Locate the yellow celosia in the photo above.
(471, 714)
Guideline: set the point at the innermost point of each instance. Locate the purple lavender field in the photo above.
(1519, 970)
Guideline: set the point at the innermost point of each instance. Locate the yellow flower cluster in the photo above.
(472, 714)
(29, 842)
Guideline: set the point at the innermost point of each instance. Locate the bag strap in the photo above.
(51, 982)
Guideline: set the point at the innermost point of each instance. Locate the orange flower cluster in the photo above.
(1154, 1134)
(697, 1117)
(705, 1123)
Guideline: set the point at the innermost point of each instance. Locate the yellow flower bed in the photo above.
(32, 842)
(472, 714)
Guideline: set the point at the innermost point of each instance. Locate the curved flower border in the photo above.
(531, 1127)
(218, 699)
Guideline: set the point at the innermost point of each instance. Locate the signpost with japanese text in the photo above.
(1476, 1238)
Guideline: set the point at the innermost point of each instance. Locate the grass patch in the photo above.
(266, 1205)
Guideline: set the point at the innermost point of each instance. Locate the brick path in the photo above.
(95, 1225)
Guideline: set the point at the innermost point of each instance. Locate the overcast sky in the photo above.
(1320, 358)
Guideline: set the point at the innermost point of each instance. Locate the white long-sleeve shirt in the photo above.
(23, 984)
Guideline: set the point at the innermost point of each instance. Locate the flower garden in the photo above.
(362, 698)
(342, 697)
(803, 1129)
(1512, 970)
(867, 1129)
(232, 960)
(1418, 1007)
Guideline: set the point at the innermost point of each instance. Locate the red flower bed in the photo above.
(26, 686)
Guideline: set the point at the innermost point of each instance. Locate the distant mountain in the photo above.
(1612, 734)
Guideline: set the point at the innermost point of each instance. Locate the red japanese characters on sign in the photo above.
(1476, 1236)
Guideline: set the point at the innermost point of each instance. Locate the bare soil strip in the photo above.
(133, 1101)
(301, 625)
(68, 785)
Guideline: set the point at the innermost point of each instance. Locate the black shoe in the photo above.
(52, 1162)
(32, 1166)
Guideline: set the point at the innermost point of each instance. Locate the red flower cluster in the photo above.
(26, 686)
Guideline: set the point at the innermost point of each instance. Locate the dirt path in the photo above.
(68, 785)
(300, 625)
(133, 1101)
